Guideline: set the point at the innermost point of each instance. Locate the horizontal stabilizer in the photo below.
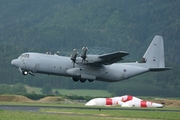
(160, 69)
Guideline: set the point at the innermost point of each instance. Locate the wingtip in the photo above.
(127, 53)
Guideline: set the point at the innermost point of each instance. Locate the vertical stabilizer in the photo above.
(154, 55)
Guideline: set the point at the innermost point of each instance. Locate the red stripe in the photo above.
(108, 101)
(143, 104)
(129, 97)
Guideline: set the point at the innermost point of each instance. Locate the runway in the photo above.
(31, 108)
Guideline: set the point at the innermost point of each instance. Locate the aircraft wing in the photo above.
(112, 57)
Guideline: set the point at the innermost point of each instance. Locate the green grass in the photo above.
(134, 114)
(87, 114)
(84, 92)
(20, 115)
(78, 92)
(35, 89)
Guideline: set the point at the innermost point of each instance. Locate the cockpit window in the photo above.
(24, 56)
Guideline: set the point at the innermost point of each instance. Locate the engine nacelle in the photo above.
(93, 58)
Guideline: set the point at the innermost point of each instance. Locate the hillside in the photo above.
(17, 99)
(62, 25)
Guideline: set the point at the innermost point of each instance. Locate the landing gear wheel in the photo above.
(75, 79)
(90, 80)
(83, 80)
(24, 72)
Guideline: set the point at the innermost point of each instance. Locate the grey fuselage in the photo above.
(93, 67)
(63, 66)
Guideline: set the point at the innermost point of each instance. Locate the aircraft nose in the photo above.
(12, 62)
(15, 63)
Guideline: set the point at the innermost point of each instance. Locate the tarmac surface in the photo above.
(37, 108)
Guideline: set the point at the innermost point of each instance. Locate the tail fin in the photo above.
(154, 55)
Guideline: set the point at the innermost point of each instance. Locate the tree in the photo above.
(47, 89)
(57, 92)
(4, 89)
(18, 88)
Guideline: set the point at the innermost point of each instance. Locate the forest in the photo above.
(101, 25)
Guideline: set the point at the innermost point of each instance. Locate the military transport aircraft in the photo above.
(93, 67)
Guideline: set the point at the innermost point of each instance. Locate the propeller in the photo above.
(73, 56)
(83, 54)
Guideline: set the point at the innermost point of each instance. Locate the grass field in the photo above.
(85, 92)
(77, 111)
(19, 115)
(79, 92)
(88, 114)
(114, 114)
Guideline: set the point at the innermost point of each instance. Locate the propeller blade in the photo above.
(83, 54)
